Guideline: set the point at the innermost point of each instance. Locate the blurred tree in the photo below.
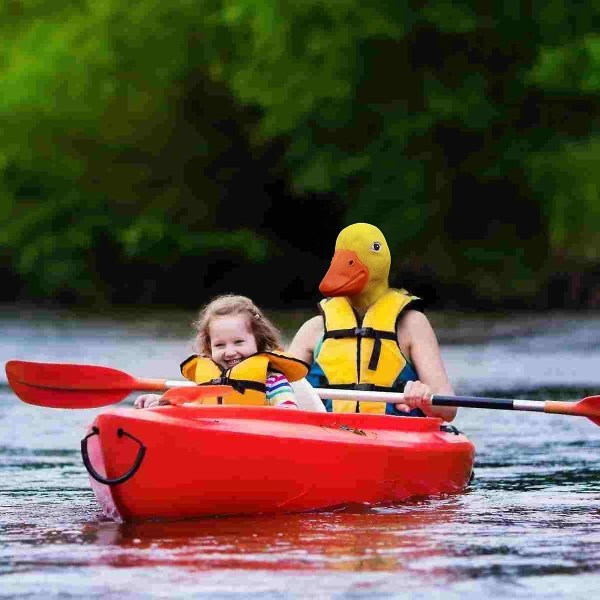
(146, 143)
(432, 120)
(110, 136)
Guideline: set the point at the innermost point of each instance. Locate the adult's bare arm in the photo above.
(419, 344)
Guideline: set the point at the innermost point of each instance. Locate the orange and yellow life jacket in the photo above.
(247, 378)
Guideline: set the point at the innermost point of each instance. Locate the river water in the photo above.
(528, 526)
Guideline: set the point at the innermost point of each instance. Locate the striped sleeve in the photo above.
(279, 391)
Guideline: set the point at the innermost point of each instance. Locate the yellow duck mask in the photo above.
(360, 266)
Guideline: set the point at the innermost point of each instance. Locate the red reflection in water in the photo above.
(353, 539)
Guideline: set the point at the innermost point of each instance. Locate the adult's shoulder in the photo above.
(313, 324)
(310, 329)
(413, 319)
(413, 325)
(306, 338)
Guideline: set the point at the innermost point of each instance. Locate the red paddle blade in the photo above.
(68, 386)
(67, 376)
(589, 407)
(191, 394)
(67, 398)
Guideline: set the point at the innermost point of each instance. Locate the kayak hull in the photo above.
(181, 462)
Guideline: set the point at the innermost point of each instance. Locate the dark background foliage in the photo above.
(159, 153)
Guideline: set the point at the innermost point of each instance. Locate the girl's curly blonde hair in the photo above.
(266, 334)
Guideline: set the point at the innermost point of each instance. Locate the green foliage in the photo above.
(152, 237)
(156, 132)
(571, 67)
(572, 212)
(97, 143)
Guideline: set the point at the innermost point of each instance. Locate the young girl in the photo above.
(238, 346)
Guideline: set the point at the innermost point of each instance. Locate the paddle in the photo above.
(588, 407)
(57, 385)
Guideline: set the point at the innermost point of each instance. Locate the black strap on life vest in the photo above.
(364, 332)
(239, 385)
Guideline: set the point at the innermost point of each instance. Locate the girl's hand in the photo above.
(149, 400)
(416, 395)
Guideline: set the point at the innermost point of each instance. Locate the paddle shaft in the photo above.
(548, 406)
(145, 384)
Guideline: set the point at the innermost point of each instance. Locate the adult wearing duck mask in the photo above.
(369, 336)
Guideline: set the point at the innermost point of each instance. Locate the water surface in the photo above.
(528, 526)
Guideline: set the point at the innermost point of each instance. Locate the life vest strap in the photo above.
(364, 332)
(239, 385)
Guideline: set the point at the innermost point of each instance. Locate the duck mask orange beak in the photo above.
(346, 276)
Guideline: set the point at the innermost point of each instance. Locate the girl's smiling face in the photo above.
(231, 340)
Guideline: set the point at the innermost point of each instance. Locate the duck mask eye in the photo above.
(376, 246)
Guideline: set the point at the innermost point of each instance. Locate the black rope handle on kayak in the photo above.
(93, 473)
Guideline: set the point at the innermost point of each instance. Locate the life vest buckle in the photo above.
(364, 332)
(224, 380)
(238, 386)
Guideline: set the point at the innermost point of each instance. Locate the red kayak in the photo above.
(181, 462)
